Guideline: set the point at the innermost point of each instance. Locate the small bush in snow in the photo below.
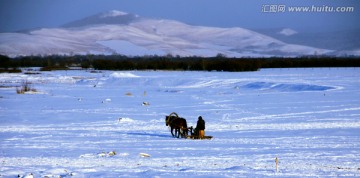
(25, 87)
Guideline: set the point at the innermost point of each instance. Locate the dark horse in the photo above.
(177, 123)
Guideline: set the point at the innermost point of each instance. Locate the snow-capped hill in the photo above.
(114, 13)
(229, 41)
(288, 32)
(106, 18)
(129, 34)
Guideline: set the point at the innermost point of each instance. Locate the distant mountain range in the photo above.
(117, 32)
(341, 42)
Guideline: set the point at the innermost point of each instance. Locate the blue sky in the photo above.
(27, 14)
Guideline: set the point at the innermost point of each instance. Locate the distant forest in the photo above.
(169, 62)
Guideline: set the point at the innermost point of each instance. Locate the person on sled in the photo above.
(200, 128)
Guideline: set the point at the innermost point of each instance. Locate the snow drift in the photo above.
(123, 75)
(295, 87)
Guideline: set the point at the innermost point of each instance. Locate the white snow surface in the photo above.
(308, 118)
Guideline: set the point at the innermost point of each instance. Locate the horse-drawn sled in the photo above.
(182, 130)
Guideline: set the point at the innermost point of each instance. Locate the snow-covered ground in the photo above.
(72, 123)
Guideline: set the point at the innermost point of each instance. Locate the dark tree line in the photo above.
(195, 63)
(305, 62)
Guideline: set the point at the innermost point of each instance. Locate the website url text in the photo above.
(275, 8)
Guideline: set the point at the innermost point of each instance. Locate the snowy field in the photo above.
(72, 123)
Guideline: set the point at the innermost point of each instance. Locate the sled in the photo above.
(199, 136)
(195, 137)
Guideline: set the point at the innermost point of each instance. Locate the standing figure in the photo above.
(200, 128)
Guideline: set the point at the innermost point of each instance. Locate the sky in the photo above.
(17, 15)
